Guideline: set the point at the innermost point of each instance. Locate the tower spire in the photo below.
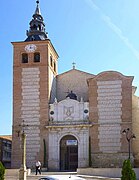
(36, 31)
(37, 11)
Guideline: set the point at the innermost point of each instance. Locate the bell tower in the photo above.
(34, 87)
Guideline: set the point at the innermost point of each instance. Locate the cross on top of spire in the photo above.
(73, 65)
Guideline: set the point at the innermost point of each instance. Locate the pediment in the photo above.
(68, 101)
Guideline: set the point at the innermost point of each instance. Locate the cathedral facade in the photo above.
(71, 120)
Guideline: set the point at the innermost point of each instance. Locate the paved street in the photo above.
(34, 177)
(37, 177)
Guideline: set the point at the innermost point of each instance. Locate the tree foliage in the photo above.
(90, 159)
(2, 171)
(127, 172)
(44, 163)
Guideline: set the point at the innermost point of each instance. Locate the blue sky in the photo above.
(98, 35)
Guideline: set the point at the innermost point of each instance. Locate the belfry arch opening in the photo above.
(68, 153)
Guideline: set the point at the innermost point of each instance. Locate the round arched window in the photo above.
(36, 57)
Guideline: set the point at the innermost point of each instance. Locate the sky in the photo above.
(98, 35)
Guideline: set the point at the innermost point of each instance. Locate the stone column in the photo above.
(23, 170)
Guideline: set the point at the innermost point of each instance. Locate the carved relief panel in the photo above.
(69, 110)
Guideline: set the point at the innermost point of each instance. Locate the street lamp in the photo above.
(129, 137)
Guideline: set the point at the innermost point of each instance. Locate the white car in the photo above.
(48, 178)
(61, 177)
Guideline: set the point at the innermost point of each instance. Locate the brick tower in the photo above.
(34, 71)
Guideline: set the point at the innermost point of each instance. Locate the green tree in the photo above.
(44, 146)
(127, 172)
(90, 159)
(2, 171)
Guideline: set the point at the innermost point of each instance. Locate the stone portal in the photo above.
(68, 153)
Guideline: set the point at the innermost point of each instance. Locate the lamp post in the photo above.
(129, 137)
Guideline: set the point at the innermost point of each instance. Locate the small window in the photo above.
(24, 58)
(51, 61)
(54, 66)
(37, 57)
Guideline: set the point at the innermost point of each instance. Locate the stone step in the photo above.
(11, 172)
(15, 172)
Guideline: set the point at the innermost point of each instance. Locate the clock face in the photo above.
(30, 48)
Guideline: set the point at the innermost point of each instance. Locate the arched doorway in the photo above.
(68, 153)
